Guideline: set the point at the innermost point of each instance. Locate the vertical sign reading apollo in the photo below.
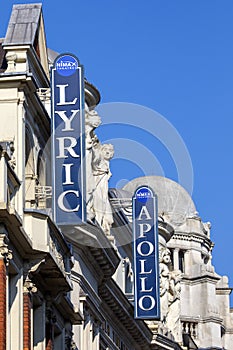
(145, 251)
(68, 140)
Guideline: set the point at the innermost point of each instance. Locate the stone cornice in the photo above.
(223, 291)
(195, 237)
(29, 286)
(205, 277)
(207, 319)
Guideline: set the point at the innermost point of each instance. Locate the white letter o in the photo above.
(139, 248)
(140, 303)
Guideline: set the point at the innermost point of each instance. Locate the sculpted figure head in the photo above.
(92, 118)
(107, 151)
(165, 256)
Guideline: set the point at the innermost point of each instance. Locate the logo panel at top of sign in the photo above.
(66, 65)
(143, 194)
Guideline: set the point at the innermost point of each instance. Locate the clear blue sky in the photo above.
(174, 57)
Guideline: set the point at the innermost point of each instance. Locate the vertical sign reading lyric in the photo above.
(68, 140)
(145, 251)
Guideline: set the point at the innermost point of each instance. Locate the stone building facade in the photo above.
(72, 287)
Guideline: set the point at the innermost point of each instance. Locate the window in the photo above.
(181, 260)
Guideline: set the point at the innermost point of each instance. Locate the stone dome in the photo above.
(174, 202)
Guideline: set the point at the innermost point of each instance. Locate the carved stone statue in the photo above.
(164, 261)
(92, 121)
(102, 153)
(169, 295)
(173, 317)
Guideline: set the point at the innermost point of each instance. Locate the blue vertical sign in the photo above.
(68, 144)
(145, 252)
